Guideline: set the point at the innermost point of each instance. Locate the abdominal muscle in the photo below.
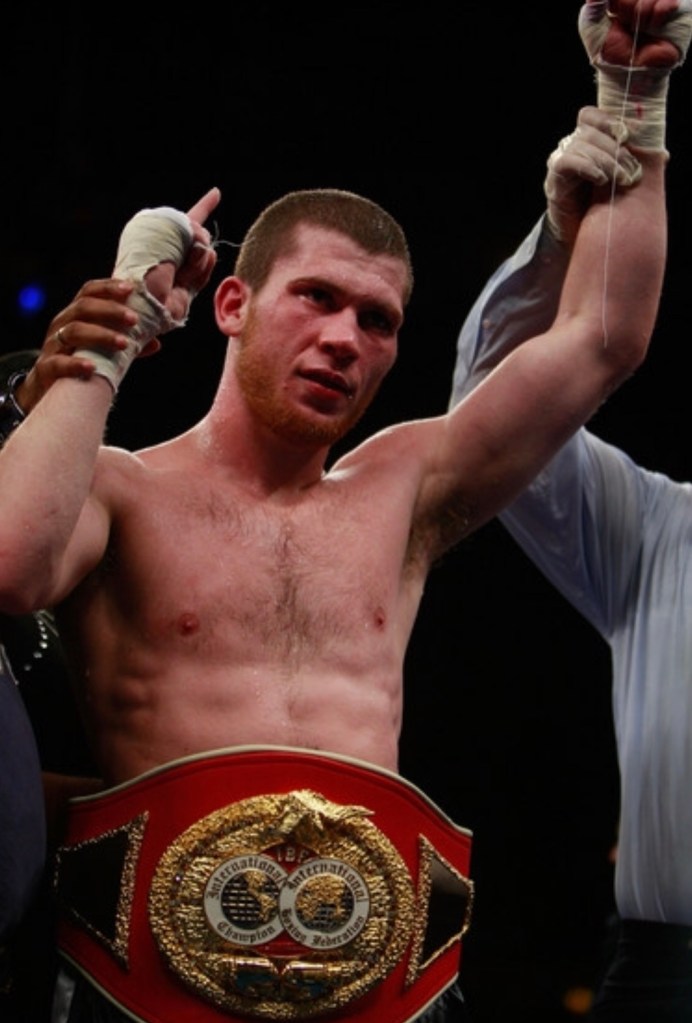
(160, 720)
(169, 687)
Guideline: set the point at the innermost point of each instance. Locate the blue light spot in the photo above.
(31, 299)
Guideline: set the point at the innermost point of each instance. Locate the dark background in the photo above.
(446, 117)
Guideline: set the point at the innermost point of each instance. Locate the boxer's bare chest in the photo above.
(209, 560)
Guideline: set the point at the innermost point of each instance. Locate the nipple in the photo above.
(188, 622)
(379, 618)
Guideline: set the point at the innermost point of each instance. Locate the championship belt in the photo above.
(264, 883)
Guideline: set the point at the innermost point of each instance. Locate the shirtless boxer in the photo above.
(220, 590)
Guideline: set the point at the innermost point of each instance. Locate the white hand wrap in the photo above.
(594, 154)
(161, 235)
(636, 94)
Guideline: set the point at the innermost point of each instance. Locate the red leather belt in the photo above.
(264, 883)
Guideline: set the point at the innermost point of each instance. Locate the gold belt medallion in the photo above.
(282, 906)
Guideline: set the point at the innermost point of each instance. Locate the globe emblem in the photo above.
(324, 904)
(241, 899)
(250, 900)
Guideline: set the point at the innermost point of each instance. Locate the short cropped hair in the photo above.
(273, 233)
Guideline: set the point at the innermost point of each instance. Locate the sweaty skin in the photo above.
(279, 624)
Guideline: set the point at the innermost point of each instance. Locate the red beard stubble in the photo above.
(262, 391)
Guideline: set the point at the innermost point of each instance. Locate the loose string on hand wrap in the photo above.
(613, 184)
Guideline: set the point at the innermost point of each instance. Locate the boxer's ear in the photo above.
(231, 301)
